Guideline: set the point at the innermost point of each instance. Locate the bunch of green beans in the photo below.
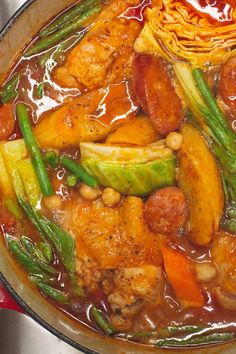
(69, 16)
(30, 256)
(63, 243)
(65, 25)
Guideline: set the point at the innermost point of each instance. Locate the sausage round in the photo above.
(166, 210)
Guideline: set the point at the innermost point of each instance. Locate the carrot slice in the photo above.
(181, 277)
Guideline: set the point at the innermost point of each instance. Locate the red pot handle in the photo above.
(7, 301)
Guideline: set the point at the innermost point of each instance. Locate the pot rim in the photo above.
(39, 320)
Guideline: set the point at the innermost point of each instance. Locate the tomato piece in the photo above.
(156, 94)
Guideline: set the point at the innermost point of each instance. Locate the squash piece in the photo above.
(30, 181)
(13, 151)
(139, 131)
(5, 181)
(200, 180)
(89, 117)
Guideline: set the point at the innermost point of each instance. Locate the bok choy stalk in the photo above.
(214, 125)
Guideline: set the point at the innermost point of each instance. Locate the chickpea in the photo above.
(52, 203)
(110, 197)
(205, 271)
(174, 140)
(87, 192)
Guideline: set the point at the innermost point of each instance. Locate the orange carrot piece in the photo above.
(181, 277)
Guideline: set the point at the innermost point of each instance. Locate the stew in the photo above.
(118, 172)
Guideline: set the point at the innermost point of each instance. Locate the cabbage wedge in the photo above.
(130, 170)
(176, 31)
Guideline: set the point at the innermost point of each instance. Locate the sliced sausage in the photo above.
(156, 94)
(166, 210)
(227, 82)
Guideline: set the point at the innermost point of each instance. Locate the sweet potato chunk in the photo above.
(139, 131)
(199, 179)
(156, 94)
(85, 118)
(104, 55)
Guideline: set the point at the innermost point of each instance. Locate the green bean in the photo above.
(72, 180)
(28, 244)
(180, 329)
(164, 332)
(33, 148)
(208, 96)
(22, 257)
(52, 54)
(10, 96)
(46, 250)
(229, 225)
(39, 278)
(231, 212)
(55, 294)
(66, 31)
(102, 322)
(61, 240)
(69, 16)
(51, 158)
(208, 339)
(47, 268)
(78, 171)
(8, 92)
(55, 53)
(39, 91)
(29, 256)
(38, 255)
(215, 117)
